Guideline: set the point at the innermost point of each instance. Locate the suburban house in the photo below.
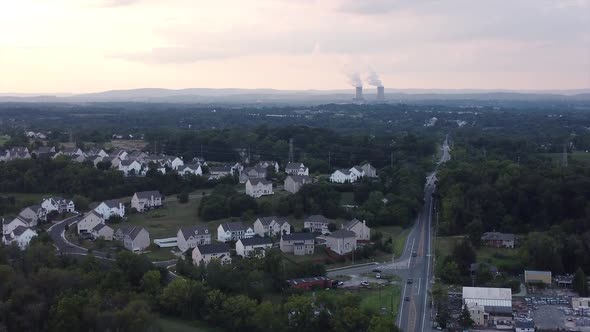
(188, 169)
(21, 236)
(112, 207)
(119, 153)
(146, 200)
(317, 224)
(236, 168)
(102, 231)
(217, 172)
(73, 151)
(347, 175)
(4, 155)
(537, 277)
(79, 158)
(58, 204)
(89, 221)
(293, 183)
(524, 326)
(296, 169)
(97, 152)
(270, 226)
(34, 213)
(362, 231)
(95, 159)
(357, 171)
(138, 155)
(44, 151)
(174, 162)
(498, 240)
(233, 231)
(267, 163)
(341, 241)
(253, 247)
(204, 253)
(298, 243)
(258, 187)
(134, 238)
(189, 237)
(19, 152)
(369, 171)
(7, 228)
(129, 167)
(252, 173)
(199, 161)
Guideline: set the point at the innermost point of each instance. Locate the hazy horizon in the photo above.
(89, 46)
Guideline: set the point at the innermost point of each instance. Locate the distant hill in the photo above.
(206, 95)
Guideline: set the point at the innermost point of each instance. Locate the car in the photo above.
(410, 280)
(378, 276)
(414, 254)
(365, 283)
(340, 283)
(407, 298)
(377, 270)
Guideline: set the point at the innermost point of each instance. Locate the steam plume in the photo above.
(355, 79)
(373, 79)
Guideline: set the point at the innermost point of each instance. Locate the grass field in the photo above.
(177, 325)
(503, 258)
(4, 139)
(398, 234)
(24, 200)
(373, 300)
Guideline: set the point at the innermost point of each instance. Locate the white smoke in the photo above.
(373, 79)
(354, 79)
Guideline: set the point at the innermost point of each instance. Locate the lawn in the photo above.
(398, 234)
(4, 139)
(503, 258)
(347, 198)
(177, 325)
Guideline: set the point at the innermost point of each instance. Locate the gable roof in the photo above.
(148, 194)
(220, 169)
(216, 248)
(358, 168)
(255, 182)
(99, 227)
(342, 234)
(349, 224)
(300, 178)
(255, 241)
(343, 171)
(194, 230)
(317, 218)
(235, 226)
(497, 236)
(19, 230)
(112, 203)
(298, 237)
(33, 207)
(131, 231)
(294, 166)
(93, 212)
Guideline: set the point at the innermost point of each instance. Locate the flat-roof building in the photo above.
(537, 277)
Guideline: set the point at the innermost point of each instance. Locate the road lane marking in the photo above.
(419, 283)
(401, 307)
(427, 267)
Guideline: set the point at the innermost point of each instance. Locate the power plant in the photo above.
(380, 93)
(359, 94)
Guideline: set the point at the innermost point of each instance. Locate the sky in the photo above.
(77, 46)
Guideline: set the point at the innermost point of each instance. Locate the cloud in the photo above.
(379, 7)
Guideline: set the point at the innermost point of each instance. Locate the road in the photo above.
(415, 312)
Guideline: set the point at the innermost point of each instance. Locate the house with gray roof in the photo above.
(498, 240)
(270, 226)
(21, 236)
(102, 231)
(192, 236)
(269, 163)
(133, 238)
(317, 224)
(204, 253)
(258, 187)
(362, 231)
(109, 208)
(298, 243)
(217, 172)
(293, 183)
(146, 200)
(296, 169)
(253, 247)
(252, 173)
(34, 213)
(188, 169)
(341, 241)
(233, 231)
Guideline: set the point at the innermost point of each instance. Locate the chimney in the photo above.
(359, 93)
(380, 93)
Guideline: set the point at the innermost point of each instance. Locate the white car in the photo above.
(378, 276)
(365, 283)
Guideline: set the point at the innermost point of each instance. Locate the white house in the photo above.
(203, 254)
(258, 187)
(362, 231)
(34, 213)
(233, 231)
(175, 162)
(89, 221)
(341, 176)
(129, 167)
(217, 172)
(296, 169)
(369, 170)
(102, 231)
(267, 163)
(97, 152)
(317, 224)
(269, 226)
(9, 226)
(73, 151)
(253, 247)
(113, 207)
(190, 169)
(293, 183)
(252, 173)
(522, 326)
(341, 241)
(357, 172)
(189, 237)
(146, 200)
(21, 236)
(134, 238)
(120, 153)
(298, 243)
(58, 204)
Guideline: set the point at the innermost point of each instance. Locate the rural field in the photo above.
(503, 258)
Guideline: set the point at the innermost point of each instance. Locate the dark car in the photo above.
(414, 254)
(407, 298)
(410, 280)
(377, 271)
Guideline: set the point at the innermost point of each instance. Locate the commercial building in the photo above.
(537, 277)
(495, 302)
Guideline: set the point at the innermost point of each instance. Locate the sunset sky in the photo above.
(73, 46)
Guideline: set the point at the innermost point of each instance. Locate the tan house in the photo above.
(102, 231)
(89, 221)
(190, 237)
(293, 183)
(362, 231)
(341, 241)
(477, 313)
(298, 243)
(134, 238)
(253, 247)
(203, 254)
(146, 200)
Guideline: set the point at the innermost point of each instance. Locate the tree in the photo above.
(464, 319)
(382, 324)
(580, 283)
(449, 272)
(183, 197)
(150, 282)
(475, 231)
(464, 256)
(332, 227)
(81, 202)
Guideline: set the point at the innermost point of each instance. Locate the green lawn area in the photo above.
(503, 258)
(25, 199)
(155, 253)
(347, 199)
(4, 139)
(398, 234)
(177, 325)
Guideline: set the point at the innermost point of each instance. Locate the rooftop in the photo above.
(342, 234)
(148, 194)
(255, 241)
(298, 237)
(216, 248)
